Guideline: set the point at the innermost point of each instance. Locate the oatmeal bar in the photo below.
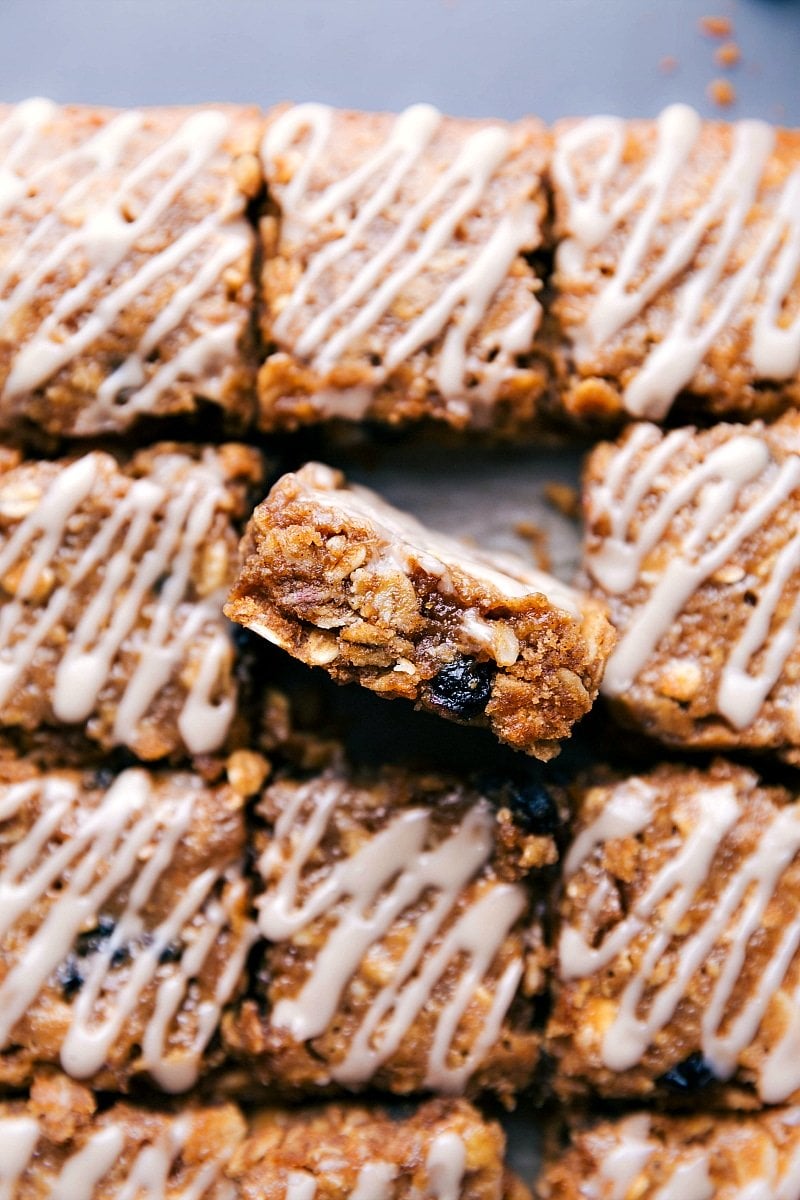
(125, 265)
(693, 540)
(124, 924)
(678, 266)
(678, 960)
(59, 1145)
(396, 282)
(112, 579)
(648, 1156)
(443, 1150)
(403, 939)
(341, 580)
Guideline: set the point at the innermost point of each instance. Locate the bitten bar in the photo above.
(677, 972)
(404, 944)
(125, 265)
(342, 580)
(677, 273)
(397, 282)
(124, 927)
(693, 540)
(112, 580)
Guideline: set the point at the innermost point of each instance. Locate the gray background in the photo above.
(481, 57)
(470, 57)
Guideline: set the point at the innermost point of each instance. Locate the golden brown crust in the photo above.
(132, 873)
(312, 1141)
(359, 821)
(342, 581)
(361, 383)
(668, 982)
(635, 1158)
(727, 383)
(158, 199)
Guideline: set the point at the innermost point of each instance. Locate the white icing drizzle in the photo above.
(717, 284)
(622, 1171)
(362, 896)
(94, 251)
(623, 1162)
(149, 538)
(645, 1006)
(127, 840)
(445, 1166)
(353, 204)
(149, 1176)
(720, 524)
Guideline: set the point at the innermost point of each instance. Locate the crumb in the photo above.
(721, 92)
(727, 55)
(668, 64)
(716, 27)
(779, 112)
(565, 498)
(537, 538)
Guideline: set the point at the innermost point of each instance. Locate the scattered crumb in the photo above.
(668, 64)
(721, 92)
(540, 550)
(565, 498)
(779, 111)
(727, 55)
(716, 27)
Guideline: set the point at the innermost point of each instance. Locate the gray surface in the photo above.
(482, 57)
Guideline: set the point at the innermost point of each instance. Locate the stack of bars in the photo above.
(225, 950)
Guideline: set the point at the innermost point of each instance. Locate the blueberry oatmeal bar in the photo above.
(693, 540)
(676, 275)
(341, 580)
(650, 1156)
(444, 1150)
(678, 947)
(112, 580)
(404, 944)
(397, 281)
(124, 926)
(126, 280)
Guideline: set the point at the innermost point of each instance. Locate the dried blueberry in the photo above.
(120, 956)
(535, 807)
(171, 952)
(691, 1075)
(69, 977)
(91, 941)
(462, 688)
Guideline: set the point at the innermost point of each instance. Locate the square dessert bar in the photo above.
(125, 265)
(60, 1142)
(677, 971)
(396, 282)
(124, 926)
(693, 541)
(403, 939)
(342, 580)
(677, 273)
(649, 1156)
(112, 580)
(444, 1150)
